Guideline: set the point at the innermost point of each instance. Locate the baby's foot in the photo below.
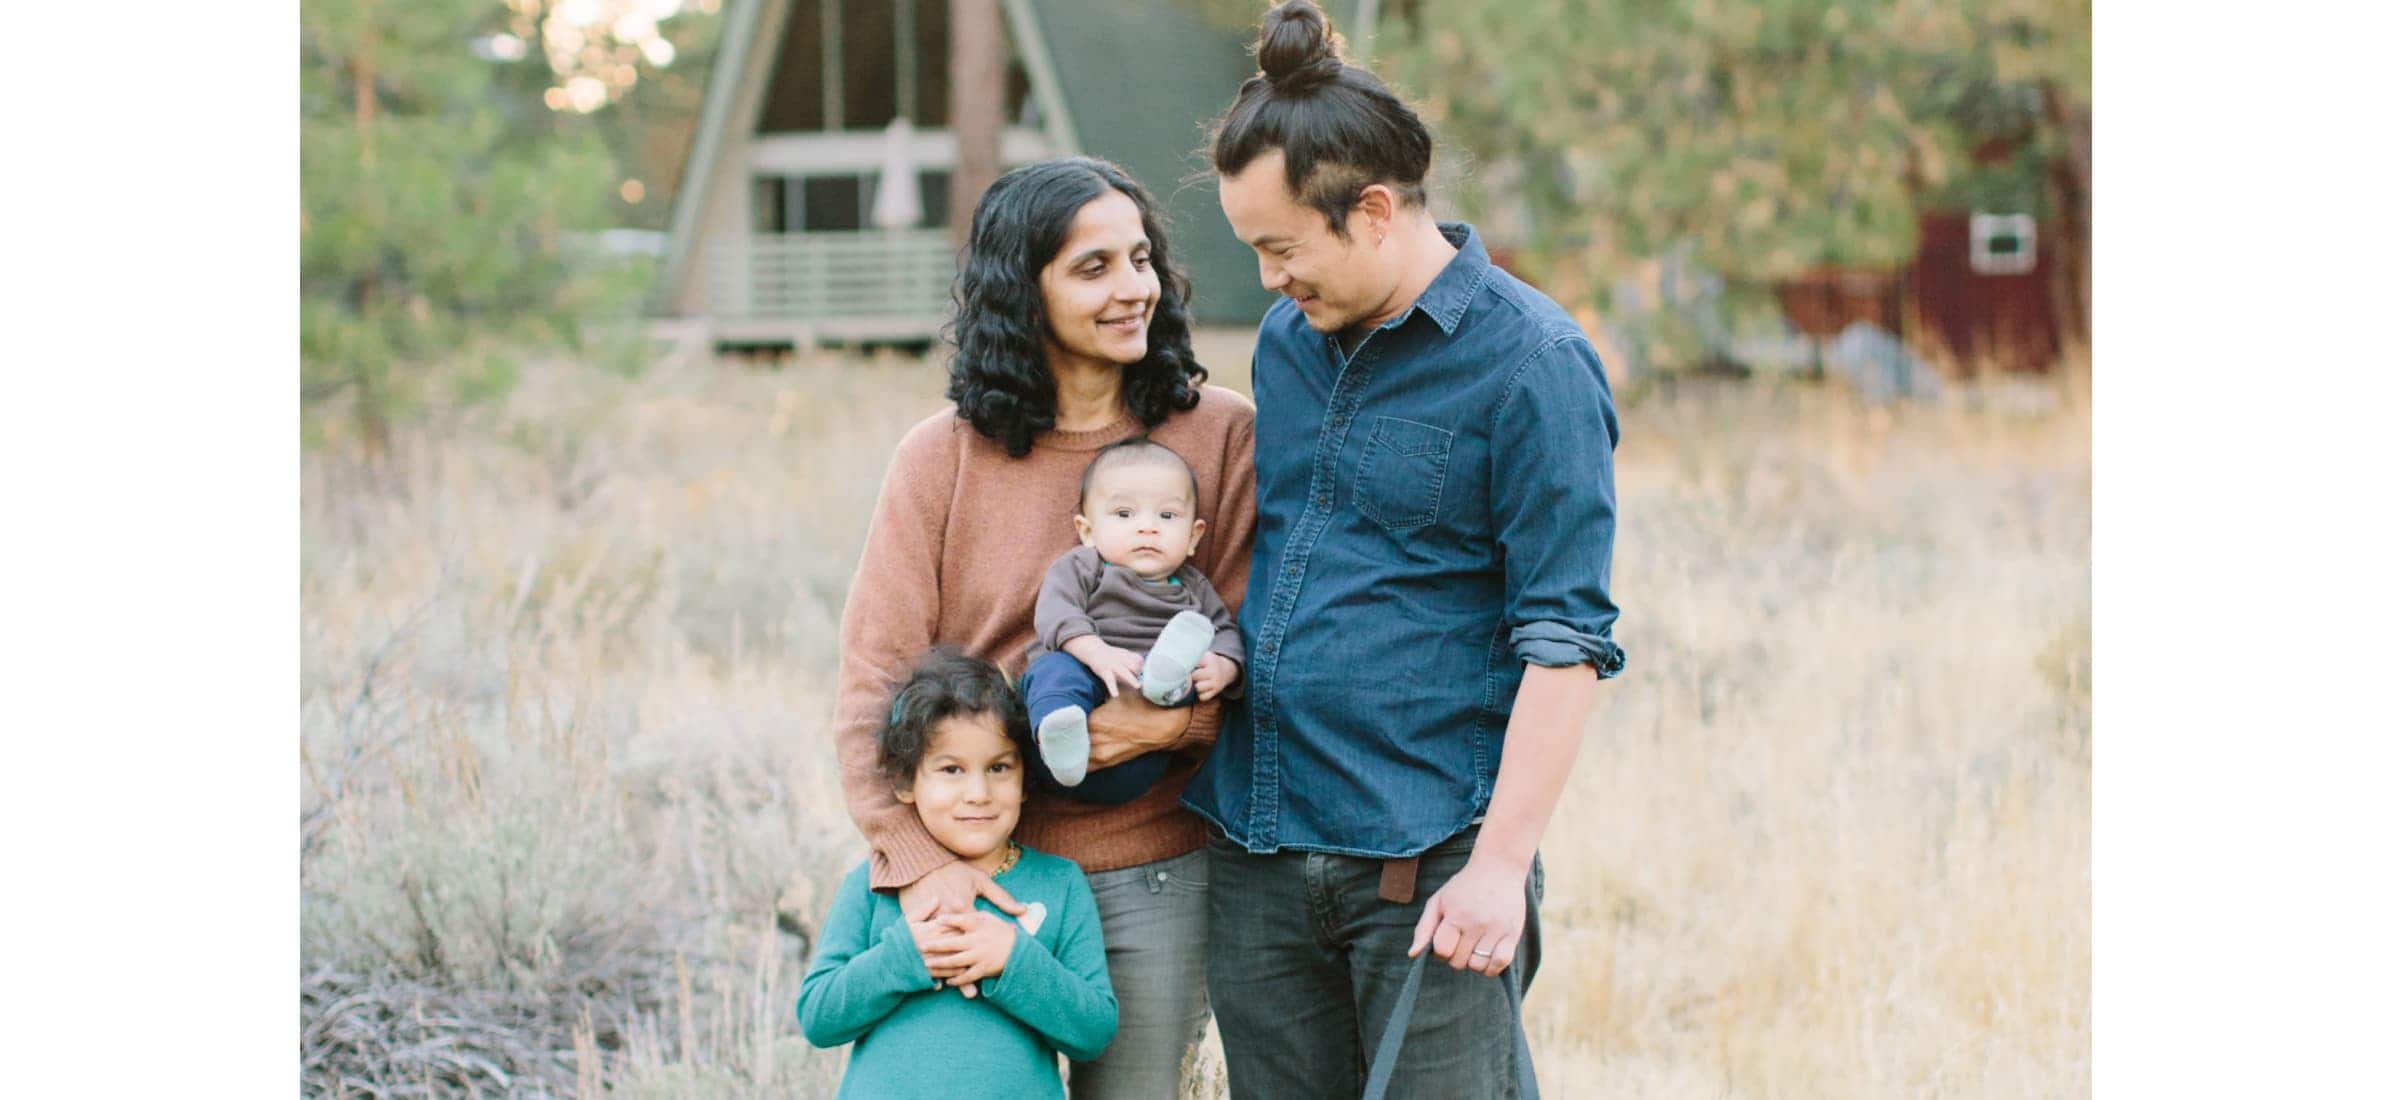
(1173, 659)
(1063, 744)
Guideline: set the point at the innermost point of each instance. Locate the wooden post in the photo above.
(834, 69)
(908, 63)
(975, 106)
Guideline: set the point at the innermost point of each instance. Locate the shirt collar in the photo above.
(1451, 292)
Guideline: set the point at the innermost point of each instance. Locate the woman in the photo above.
(1071, 333)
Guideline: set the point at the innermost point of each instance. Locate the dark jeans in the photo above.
(1059, 680)
(1306, 961)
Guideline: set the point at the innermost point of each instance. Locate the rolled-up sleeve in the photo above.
(1555, 510)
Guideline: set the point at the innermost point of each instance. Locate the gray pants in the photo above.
(1154, 921)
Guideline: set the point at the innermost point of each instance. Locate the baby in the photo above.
(1125, 609)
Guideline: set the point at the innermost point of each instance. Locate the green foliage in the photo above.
(1754, 138)
(439, 197)
(1628, 143)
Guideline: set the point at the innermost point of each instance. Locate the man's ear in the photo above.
(1377, 206)
(1087, 530)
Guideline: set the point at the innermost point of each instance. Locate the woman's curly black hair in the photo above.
(999, 378)
(945, 683)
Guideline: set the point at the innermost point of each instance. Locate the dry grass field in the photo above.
(567, 672)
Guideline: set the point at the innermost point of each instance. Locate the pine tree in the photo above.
(438, 196)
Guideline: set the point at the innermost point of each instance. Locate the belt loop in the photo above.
(1396, 878)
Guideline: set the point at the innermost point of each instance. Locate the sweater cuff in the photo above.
(1023, 944)
(1067, 630)
(1204, 724)
(901, 859)
(907, 958)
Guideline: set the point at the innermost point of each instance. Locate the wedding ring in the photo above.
(1482, 954)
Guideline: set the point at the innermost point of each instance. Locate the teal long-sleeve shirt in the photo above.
(869, 986)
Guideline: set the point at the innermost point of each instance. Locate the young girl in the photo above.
(961, 1003)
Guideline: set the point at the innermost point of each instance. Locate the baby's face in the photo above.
(1141, 516)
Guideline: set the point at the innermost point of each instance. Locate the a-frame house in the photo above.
(813, 205)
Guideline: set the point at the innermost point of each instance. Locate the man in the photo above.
(1427, 614)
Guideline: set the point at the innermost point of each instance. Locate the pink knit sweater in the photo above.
(959, 542)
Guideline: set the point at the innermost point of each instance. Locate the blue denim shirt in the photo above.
(1435, 513)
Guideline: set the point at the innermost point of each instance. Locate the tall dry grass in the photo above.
(567, 669)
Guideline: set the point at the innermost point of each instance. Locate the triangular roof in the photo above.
(1132, 81)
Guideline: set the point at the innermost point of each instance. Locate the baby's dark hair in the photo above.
(945, 683)
(1136, 451)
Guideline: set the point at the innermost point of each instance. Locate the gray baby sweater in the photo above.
(1083, 594)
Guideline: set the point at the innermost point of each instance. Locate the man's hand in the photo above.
(1129, 727)
(1473, 922)
(1116, 667)
(1213, 675)
(949, 891)
(968, 947)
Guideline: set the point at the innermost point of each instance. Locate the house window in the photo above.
(884, 57)
(770, 205)
(934, 197)
(2001, 244)
(835, 203)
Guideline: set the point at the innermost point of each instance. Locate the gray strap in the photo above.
(1391, 1042)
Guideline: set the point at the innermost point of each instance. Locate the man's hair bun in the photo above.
(1298, 49)
(1322, 113)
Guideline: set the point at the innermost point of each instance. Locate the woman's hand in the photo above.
(949, 891)
(969, 947)
(1130, 727)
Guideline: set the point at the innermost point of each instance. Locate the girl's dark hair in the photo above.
(1339, 127)
(999, 379)
(945, 683)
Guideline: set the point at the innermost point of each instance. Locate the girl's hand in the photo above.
(969, 947)
(1214, 673)
(1118, 668)
(950, 889)
(925, 932)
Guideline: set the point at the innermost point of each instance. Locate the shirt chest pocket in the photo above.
(1401, 480)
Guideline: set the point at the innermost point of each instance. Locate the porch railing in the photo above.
(871, 275)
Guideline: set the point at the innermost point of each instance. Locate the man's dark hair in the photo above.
(999, 378)
(945, 683)
(1141, 451)
(1339, 127)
